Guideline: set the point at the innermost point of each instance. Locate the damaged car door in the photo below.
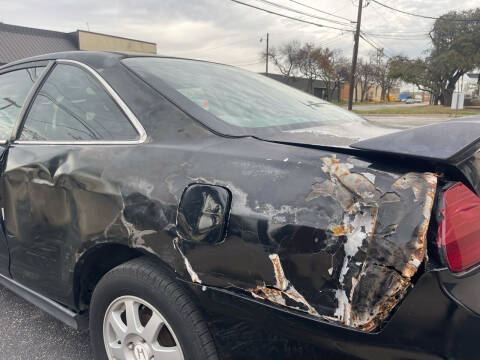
(56, 199)
(15, 85)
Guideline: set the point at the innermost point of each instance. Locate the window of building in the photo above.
(14, 88)
(73, 106)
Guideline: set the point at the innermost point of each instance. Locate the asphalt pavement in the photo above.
(409, 121)
(385, 106)
(28, 333)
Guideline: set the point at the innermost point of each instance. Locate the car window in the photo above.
(245, 101)
(73, 106)
(14, 88)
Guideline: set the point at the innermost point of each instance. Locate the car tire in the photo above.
(142, 283)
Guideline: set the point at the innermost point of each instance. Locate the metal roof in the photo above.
(18, 42)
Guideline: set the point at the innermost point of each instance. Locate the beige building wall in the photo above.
(373, 94)
(100, 42)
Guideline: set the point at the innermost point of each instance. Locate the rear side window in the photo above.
(246, 103)
(73, 106)
(14, 88)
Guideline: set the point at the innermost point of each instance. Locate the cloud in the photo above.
(223, 31)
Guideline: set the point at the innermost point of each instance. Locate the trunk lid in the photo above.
(451, 145)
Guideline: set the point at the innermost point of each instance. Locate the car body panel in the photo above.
(4, 251)
(297, 244)
(332, 236)
(428, 325)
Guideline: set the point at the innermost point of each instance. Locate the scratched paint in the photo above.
(283, 288)
(372, 256)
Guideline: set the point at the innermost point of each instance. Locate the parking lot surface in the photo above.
(28, 333)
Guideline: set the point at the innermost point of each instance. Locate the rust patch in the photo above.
(325, 188)
(382, 287)
(369, 291)
(282, 282)
(380, 238)
(357, 183)
(283, 289)
(379, 313)
(423, 187)
(341, 230)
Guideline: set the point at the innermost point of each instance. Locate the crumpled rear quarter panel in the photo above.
(344, 248)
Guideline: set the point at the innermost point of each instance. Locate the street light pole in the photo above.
(355, 55)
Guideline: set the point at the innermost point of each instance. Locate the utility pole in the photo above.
(267, 57)
(355, 55)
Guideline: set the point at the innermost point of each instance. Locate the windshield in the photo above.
(247, 102)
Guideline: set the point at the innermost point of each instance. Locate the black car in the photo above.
(184, 210)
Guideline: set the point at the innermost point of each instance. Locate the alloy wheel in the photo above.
(133, 329)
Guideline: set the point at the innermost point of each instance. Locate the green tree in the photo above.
(425, 73)
(455, 51)
(456, 47)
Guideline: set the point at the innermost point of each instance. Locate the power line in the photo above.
(340, 9)
(377, 43)
(398, 33)
(379, 47)
(371, 44)
(398, 37)
(422, 16)
(303, 13)
(330, 40)
(289, 17)
(383, 17)
(321, 11)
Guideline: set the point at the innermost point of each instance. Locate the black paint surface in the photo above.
(277, 234)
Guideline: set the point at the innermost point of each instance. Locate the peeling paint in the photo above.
(361, 200)
(382, 286)
(373, 248)
(283, 288)
(240, 203)
(421, 243)
(339, 230)
(369, 176)
(193, 275)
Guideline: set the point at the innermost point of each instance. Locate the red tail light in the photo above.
(459, 230)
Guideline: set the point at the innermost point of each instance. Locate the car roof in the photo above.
(82, 56)
(92, 58)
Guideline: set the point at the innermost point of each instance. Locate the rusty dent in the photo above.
(364, 239)
(370, 283)
(427, 188)
(283, 289)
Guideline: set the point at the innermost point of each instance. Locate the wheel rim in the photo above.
(133, 329)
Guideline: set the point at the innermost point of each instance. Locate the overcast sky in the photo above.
(223, 31)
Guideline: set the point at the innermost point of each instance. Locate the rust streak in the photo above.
(283, 289)
(341, 230)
